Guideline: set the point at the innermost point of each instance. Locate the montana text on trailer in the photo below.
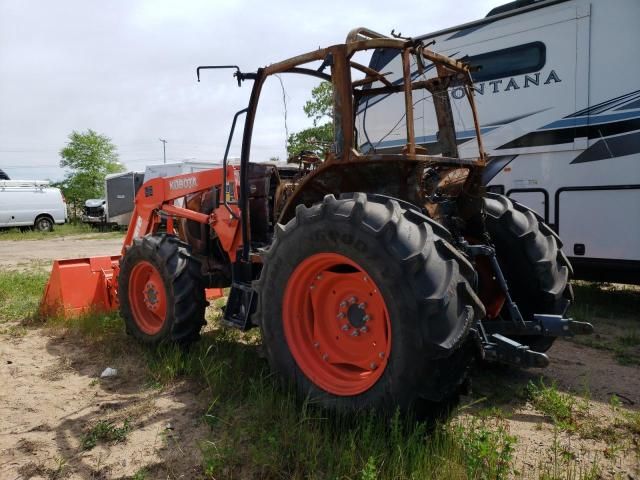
(563, 132)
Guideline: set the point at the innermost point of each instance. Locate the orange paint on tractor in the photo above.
(81, 285)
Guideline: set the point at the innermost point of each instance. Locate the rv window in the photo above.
(526, 58)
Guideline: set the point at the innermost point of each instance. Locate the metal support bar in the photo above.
(408, 101)
(224, 163)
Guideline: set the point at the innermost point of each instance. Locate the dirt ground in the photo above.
(51, 394)
(22, 253)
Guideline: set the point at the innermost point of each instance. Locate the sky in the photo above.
(126, 69)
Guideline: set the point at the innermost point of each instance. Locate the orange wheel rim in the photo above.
(336, 324)
(147, 297)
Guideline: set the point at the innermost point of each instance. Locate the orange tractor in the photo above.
(375, 277)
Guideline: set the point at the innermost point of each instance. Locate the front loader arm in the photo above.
(158, 195)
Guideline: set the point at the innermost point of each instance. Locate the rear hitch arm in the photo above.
(505, 350)
(494, 347)
(542, 325)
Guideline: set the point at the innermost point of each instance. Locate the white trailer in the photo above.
(31, 203)
(558, 96)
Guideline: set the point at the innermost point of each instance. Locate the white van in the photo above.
(559, 105)
(31, 203)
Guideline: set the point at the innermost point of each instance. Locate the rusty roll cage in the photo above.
(346, 92)
(450, 72)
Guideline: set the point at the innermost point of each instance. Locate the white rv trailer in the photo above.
(558, 96)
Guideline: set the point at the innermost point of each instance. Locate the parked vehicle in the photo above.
(95, 212)
(120, 191)
(31, 203)
(559, 105)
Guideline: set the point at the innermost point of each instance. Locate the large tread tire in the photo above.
(530, 255)
(183, 287)
(425, 282)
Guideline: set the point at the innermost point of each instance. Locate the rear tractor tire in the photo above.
(161, 292)
(530, 256)
(364, 304)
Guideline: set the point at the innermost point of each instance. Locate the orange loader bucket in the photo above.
(80, 285)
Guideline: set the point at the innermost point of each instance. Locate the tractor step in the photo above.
(241, 304)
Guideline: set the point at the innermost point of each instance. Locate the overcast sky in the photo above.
(127, 70)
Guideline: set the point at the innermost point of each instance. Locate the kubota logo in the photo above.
(180, 183)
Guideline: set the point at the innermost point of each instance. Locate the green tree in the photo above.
(90, 158)
(317, 138)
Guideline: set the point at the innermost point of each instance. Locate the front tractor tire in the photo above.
(530, 255)
(363, 304)
(161, 291)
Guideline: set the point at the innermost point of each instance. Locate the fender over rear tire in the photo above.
(395, 266)
(161, 291)
(529, 253)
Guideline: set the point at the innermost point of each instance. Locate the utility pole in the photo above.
(164, 149)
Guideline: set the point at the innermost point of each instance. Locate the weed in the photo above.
(370, 470)
(105, 431)
(100, 327)
(632, 422)
(614, 403)
(486, 448)
(565, 465)
(612, 310)
(549, 401)
(140, 474)
(601, 300)
(631, 339)
(20, 294)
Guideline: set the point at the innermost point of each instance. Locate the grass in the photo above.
(20, 294)
(258, 429)
(560, 407)
(64, 230)
(107, 432)
(613, 311)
